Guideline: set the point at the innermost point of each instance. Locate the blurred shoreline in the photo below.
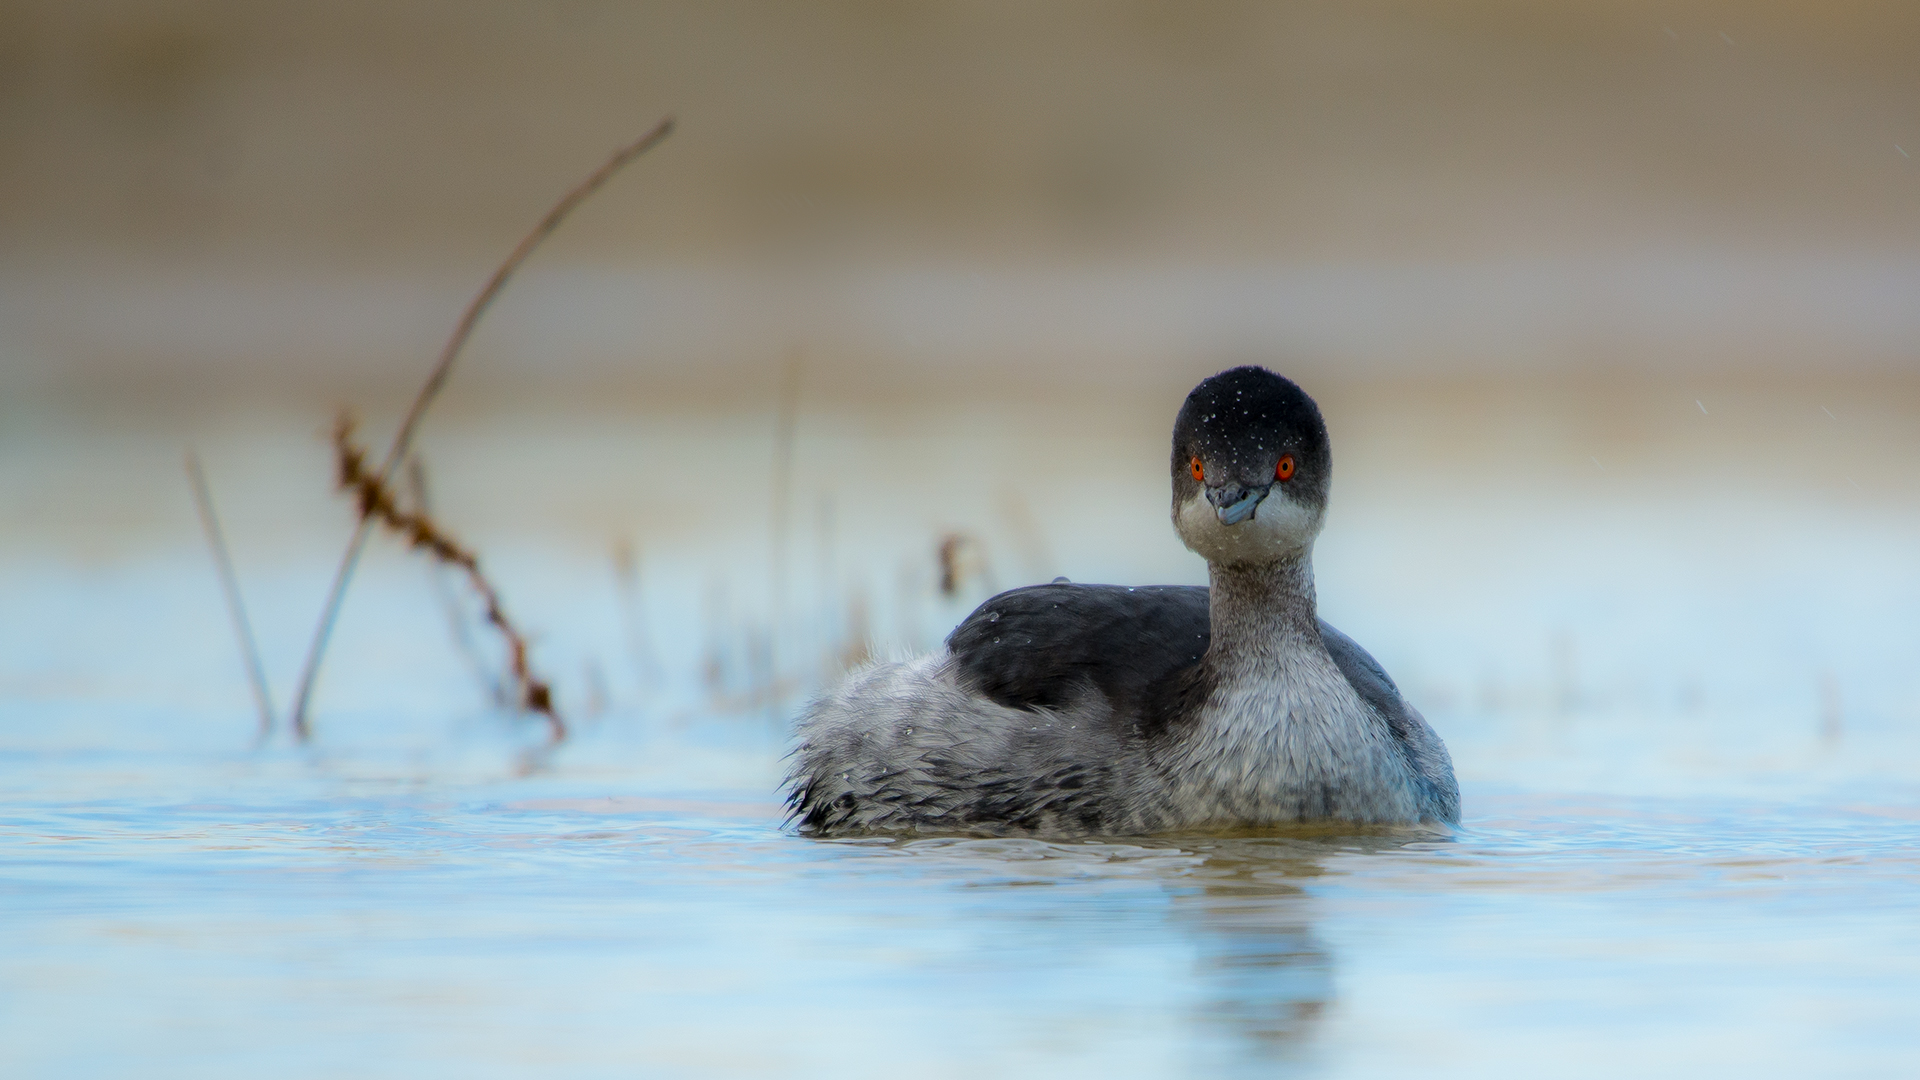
(158, 332)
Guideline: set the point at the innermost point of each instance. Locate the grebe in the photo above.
(1072, 710)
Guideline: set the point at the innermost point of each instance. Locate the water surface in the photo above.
(312, 915)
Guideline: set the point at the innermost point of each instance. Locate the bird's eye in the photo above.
(1199, 471)
(1284, 470)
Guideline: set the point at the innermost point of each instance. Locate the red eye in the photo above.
(1284, 470)
(1199, 471)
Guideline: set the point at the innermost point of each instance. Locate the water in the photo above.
(1691, 842)
(313, 918)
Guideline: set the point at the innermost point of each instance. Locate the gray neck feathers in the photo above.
(1260, 612)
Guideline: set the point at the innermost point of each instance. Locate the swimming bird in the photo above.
(1073, 710)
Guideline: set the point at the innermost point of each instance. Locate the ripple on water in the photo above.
(236, 916)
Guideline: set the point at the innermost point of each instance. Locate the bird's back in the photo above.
(1050, 646)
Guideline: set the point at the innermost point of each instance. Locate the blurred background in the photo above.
(1610, 307)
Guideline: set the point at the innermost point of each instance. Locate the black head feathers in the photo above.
(1240, 424)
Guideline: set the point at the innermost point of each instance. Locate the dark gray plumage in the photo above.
(1043, 646)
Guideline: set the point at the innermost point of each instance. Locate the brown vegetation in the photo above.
(377, 504)
(376, 497)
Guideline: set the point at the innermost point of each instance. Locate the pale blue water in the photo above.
(1686, 731)
(303, 915)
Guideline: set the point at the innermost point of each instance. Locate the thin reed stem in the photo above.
(230, 585)
(786, 411)
(403, 439)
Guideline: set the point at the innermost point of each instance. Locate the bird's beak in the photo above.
(1233, 503)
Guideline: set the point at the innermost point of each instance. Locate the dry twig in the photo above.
(458, 624)
(403, 439)
(377, 504)
(785, 414)
(961, 558)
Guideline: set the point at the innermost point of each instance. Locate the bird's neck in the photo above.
(1259, 610)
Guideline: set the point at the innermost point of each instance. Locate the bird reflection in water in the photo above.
(1243, 903)
(1264, 976)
